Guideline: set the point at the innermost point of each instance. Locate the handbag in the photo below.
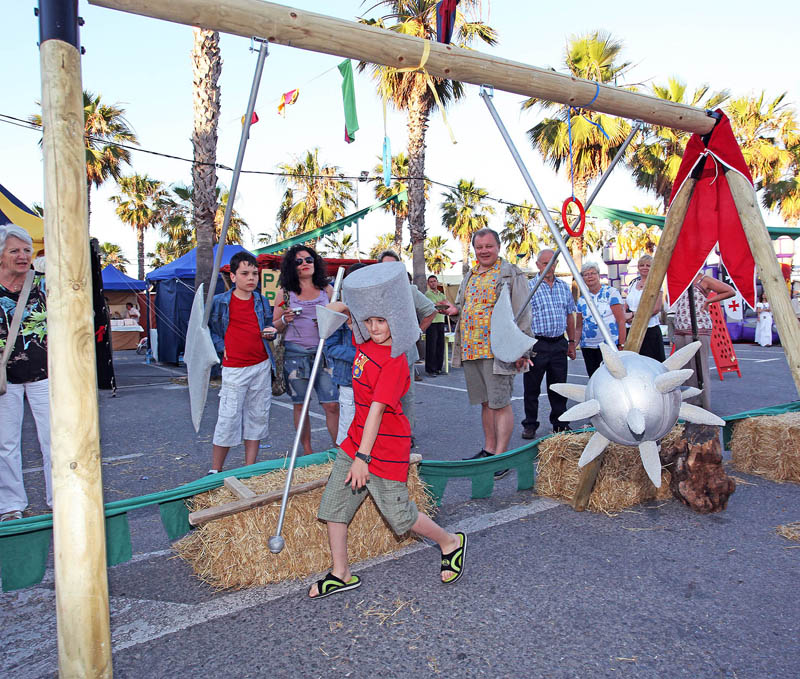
(13, 329)
(279, 353)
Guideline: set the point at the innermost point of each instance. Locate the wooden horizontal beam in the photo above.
(319, 33)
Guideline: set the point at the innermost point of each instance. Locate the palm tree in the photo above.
(785, 194)
(339, 245)
(524, 232)
(384, 242)
(111, 253)
(767, 131)
(408, 91)
(177, 223)
(437, 254)
(105, 127)
(164, 253)
(638, 238)
(315, 195)
(140, 204)
(464, 213)
(399, 208)
(206, 69)
(593, 56)
(656, 158)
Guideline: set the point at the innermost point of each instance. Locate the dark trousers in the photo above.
(550, 360)
(434, 347)
(592, 358)
(653, 344)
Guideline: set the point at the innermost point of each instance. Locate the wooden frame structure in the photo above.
(81, 584)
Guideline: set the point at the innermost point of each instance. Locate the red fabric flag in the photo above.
(712, 217)
(445, 20)
(287, 98)
(253, 118)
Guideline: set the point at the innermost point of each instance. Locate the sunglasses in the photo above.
(300, 260)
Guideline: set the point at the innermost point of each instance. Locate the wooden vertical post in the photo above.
(744, 196)
(84, 639)
(652, 289)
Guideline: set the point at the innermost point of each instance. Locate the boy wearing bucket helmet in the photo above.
(374, 457)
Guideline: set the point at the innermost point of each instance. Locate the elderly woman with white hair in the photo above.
(608, 302)
(26, 368)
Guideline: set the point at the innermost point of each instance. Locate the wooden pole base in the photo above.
(84, 638)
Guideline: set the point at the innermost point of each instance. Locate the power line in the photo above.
(30, 125)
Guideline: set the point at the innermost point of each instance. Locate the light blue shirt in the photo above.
(606, 297)
(550, 307)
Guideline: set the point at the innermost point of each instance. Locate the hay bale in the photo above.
(232, 552)
(622, 481)
(769, 446)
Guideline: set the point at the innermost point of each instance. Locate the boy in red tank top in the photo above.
(374, 459)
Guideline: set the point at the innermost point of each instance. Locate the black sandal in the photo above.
(454, 561)
(330, 584)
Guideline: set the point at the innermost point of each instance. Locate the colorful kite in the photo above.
(287, 98)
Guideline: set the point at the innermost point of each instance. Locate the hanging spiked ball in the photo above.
(634, 400)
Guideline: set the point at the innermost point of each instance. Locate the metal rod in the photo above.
(551, 264)
(693, 320)
(237, 169)
(276, 542)
(604, 331)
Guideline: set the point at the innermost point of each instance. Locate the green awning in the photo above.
(333, 227)
(624, 216)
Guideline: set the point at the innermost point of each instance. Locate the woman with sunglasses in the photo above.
(303, 284)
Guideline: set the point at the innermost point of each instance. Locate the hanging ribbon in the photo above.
(387, 151)
(349, 99)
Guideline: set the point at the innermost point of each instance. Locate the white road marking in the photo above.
(290, 406)
(30, 635)
(104, 460)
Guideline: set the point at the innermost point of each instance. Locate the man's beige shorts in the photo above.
(340, 502)
(484, 386)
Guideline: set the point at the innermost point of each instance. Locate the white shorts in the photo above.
(244, 402)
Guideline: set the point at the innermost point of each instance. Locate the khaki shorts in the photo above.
(483, 386)
(340, 502)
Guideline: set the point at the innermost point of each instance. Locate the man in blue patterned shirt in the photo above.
(552, 310)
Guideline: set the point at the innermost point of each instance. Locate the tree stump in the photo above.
(695, 463)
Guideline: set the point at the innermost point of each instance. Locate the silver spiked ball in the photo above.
(634, 400)
(276, 544)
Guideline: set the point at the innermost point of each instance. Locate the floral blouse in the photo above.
(28, 360)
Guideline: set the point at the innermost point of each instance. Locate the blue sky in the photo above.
(144, 65)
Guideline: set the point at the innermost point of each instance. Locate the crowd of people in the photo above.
(243, 327)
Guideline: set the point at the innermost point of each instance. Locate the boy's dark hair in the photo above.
(289, 278)
(389, 253)
(355, 266)
(240, 257)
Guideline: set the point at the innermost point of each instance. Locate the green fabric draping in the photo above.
(349, 99)
(25, 544)
(727, 430)
(333, 227)
(624, 216)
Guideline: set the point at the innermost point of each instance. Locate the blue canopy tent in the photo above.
(174, 287)
(114, 279)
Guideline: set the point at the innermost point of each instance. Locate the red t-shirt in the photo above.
(379, 377)
(243, 343)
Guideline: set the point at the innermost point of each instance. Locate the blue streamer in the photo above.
(387, 163)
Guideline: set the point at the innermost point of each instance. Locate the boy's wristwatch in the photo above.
(365, 458)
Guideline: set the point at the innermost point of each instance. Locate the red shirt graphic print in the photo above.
(379, 377)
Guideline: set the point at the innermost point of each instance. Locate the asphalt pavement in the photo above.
(655, 591)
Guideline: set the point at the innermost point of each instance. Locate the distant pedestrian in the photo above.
(608, 302)
(241, 325)
(701, 288)
(764, 325)
(552, 315)
(653, 342)
(132, 312)
(434, 335)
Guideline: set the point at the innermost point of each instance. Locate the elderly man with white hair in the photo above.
(25, 364)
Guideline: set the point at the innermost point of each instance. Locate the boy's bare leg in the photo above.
(337, 539)
(218, 455)
(426, 527)
(489, 433)
(305, 438)
(250, 451)
(503, 428)
(332, 419)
